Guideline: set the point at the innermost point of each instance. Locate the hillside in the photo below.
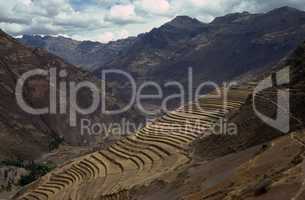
(25, 136)
(135, 160)
(233, 44)
(259, 163)
(248, 145)
(163, 160)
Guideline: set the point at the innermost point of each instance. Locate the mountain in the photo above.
(178, 156)
(84, 54)
(232, 44)
(182, 156)
(25, 136)
(259, 162)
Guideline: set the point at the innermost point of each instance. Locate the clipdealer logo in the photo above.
(69, 104)
(63, 94)
(282, 120)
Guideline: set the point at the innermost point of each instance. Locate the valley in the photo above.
(222, 116)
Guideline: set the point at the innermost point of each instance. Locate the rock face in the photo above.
(25, 136)
(232, 44)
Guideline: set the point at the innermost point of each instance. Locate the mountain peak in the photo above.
(184, 20)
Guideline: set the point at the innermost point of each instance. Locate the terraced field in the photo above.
(158, 148)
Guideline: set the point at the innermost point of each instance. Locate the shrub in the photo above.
(36, 171)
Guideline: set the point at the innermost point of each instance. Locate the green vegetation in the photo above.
(36, 171)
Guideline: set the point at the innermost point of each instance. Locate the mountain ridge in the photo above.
(173, 32)
(233, 44)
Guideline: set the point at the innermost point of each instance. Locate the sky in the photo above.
(108, 20)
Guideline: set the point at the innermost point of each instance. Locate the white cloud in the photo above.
(12, 27)
(80, 20)
(105, 37)
(215, 5)
(123, 34)
(154, 6)
(104, 20)
(101, 36)
(122, 14)
(111, 36)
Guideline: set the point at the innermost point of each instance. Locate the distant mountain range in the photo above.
(221, 50)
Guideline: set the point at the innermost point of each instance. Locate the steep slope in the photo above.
(259, 163)
(162, 151)
(158, 148)
(162, 148)
(271, 171)
(25, 136)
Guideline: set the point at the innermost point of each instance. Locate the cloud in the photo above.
(122, 14)
(110, 36)
(154, 6)
(104, 37)
(264, 6)
(110, 3)
(123, 34)
(80, 20)
(8, 14)
(104, 20)
(48, 17)
(12, 28)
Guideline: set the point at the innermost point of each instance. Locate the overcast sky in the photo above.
(106, 20)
